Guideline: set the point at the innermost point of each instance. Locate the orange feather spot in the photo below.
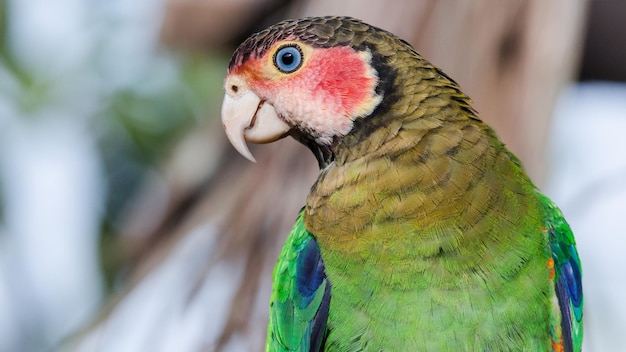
(558, 346)
(551, 268)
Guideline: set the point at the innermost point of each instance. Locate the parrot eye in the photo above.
(288, 58)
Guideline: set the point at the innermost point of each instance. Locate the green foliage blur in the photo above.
(138, 129)
(135, 126)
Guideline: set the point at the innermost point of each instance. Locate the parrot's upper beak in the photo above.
(248, 118)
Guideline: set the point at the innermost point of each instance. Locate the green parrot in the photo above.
(422, 231)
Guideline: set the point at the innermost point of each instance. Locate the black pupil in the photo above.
(287, 58)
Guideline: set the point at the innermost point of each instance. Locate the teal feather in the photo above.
(301, 295)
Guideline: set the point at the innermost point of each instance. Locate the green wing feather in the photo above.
(300, 297)
(567, 324)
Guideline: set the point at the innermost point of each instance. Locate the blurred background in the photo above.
(128, 223)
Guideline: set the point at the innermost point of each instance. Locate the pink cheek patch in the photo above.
(332, 88)
(340, 74)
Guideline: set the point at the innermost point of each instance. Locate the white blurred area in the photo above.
(52, 188)
(53, 191)
(166, 313)
(588, 182)
(51, 173)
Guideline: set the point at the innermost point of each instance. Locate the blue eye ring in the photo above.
(288, 59)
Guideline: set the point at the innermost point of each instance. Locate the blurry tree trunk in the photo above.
(511, 57)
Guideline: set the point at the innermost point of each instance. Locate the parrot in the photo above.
(422, 231)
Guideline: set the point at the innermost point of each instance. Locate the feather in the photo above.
(301, 299)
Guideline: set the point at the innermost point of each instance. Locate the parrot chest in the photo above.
(415, 304)
(406, 275)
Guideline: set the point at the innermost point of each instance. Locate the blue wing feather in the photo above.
(567, 279)
(300, 297)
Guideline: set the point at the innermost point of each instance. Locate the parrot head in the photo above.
(310, 78)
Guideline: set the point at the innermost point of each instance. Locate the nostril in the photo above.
(234, 88)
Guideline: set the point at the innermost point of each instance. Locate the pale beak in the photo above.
(247, 118)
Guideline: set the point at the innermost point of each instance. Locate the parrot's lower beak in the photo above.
(248, 118)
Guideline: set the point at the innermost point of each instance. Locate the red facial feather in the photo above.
(333, 87)
(340, 74)
(336, 74)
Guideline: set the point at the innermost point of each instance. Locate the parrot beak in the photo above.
(246, 117)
